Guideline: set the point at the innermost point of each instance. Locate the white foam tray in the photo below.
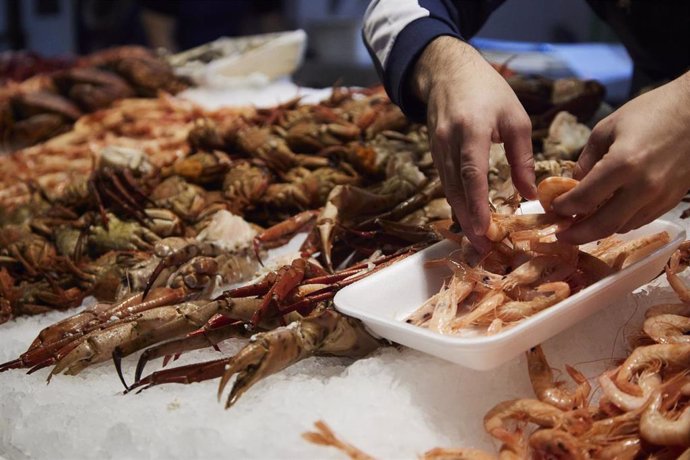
(383, 300)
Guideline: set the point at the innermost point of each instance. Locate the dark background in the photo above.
(335, 51)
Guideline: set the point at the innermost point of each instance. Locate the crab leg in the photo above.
(57, 340)
(280, 233)
(125, 199)
(431, 190)
(86, 320)
(325, 333)
(233, 323)
(197, 372)
(134, 333)
(99, 200)
(209, 338)
(288, 277)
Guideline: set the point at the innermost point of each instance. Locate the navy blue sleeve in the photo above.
(397, 31)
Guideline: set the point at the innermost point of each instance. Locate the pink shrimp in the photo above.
(551, 188)
(679, 261)
(517, 310)
(547, 390)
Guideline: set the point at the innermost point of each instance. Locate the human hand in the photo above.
(469, 106)
(635, 166)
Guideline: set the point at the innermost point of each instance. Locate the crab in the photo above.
(92, 89)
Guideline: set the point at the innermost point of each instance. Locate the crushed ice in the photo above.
(397, 403)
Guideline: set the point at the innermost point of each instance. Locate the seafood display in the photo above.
(165, 214)
(167, 207)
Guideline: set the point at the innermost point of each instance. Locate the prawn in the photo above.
(551, 443)
(661, 430)
(502, 225)
(487, 305)
(551, 188)
(530, 272)
(423, 314)
(669, 354)
(680, 259)
(447, 307)
(546, 390)
(648, 382)
(682, 309)
(517, 310)
(622, 255)
(530, 410)
(667, 328)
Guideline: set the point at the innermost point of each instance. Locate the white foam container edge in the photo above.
(383, 300)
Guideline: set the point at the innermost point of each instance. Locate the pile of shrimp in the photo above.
(643, 410)
(526, 271)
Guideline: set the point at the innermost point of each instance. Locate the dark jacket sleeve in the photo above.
(397, 31)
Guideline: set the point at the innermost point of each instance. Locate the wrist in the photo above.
(438, 61)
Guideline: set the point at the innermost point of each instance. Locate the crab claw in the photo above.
(14, 364)
(117, 361)
(326, 332)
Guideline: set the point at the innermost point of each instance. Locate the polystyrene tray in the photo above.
(383, 300)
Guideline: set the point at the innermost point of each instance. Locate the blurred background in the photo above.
(335, 53)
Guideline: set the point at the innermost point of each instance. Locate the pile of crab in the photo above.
(157, 243)
(48, 103)
(167, 213)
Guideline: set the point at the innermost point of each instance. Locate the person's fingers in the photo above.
(596, 147)
(652, 211)
(605, 221)
(473, 168)
(455, 194)
(480, 242)
(446, 171)
(516, 135)
(594, 189)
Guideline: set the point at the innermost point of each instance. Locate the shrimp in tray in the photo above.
(528, 270)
